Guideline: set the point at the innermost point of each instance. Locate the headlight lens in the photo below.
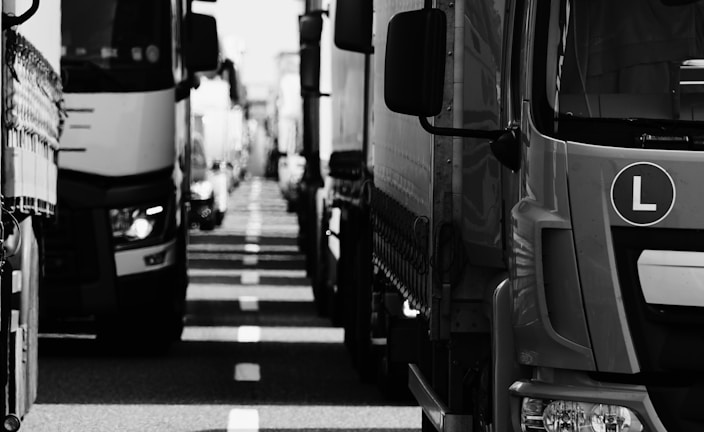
(201, 190)
(131, 224)
(539, 415)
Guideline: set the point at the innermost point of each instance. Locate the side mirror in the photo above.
(415, 62)
(353, 25)
(310, 27)
(310, 69)
(202, 46)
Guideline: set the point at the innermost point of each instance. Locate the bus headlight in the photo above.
(131, 224)
(538, 415)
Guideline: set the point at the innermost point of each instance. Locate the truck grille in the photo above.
(669, 340)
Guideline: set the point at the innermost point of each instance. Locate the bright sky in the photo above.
(260, 29)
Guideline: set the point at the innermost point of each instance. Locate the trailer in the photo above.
(533, 210)
(32, 124)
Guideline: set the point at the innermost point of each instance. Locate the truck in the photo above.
(334, 232)
(219, 117)
(117, 255)
(32, 124)
(287, 125)
(534, 210)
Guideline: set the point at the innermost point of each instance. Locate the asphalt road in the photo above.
(254, 355)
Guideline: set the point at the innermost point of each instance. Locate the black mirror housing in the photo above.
(310, 69)
(353, 25)
(202, 46)
(415, 62)
(310, 27)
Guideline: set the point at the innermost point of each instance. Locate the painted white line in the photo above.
(243, 420)
(249, 277)
(249, 334)
(291, 273)
(282, 335)
(251, 238)
(253, 206)
(250, 260)
(247, 372)
(210, 334)
(67, 336)
(249, 303)
(251, 248)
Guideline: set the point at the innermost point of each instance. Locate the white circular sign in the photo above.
(643, 194)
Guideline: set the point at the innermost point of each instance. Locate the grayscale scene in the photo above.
(352, 215)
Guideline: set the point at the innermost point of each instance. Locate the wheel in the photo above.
(322, 291)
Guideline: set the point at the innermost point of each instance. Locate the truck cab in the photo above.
(118, 252)
(563, 140)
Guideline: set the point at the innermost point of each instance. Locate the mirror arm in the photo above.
(457, 132)
(11, 21)
(315, 94)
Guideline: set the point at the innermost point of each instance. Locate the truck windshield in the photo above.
(116, 45)
(626, 59)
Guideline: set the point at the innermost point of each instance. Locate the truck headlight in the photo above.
(538, 415)
(201, 190)
(131, 224)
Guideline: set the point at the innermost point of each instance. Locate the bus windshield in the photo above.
(626, 59)
(116, 45)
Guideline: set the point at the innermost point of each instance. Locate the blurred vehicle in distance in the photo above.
(291, 169)
(220, 179)
(202, 212)
(288, 128)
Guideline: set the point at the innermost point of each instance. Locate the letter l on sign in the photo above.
(637, 196)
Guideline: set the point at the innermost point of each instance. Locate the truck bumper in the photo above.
(433, 407)
(145, 260)
(138, 276)
(86, 273)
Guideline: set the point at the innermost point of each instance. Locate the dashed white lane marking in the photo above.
(249, 277)
(249, 334)
(248, 419)
(247, 372)
(243, 420)
(249, 303)
(251, 248)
